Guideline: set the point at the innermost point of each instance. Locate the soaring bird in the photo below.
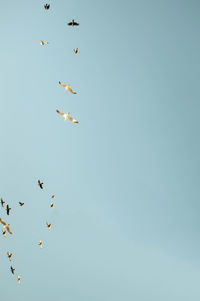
(53, 196)
(2, 202)
(40, 184)
(51, 204)
(12, 270)
(9, 255)
(47, 6)
(4, 232)
(48, 225)
(40, 243)
(21, 204)
(66, 116)
(8, 209)
(73, 23)
(5, 226)
(76, 50)
(43, 43)
(67, 87)
(18, 279)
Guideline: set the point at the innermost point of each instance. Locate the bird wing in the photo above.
(60, 113)
(62, 85)
(70, 90)
(74, 120)
(70, 23)
(8, 229)
(75, 23)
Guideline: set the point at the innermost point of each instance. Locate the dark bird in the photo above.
(12, 270)
(47, 6)
(4, 232)
(9, 255)
(73, 23)
(21, 204)
(40, 184)
(8, 209)
(51, 204)
(2, 202)
(5, 226)
(48, 225)
(76, 50)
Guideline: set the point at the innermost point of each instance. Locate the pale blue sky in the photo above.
(126, 178)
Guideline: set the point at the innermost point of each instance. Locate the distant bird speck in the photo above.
(73, 23)
(40, 184)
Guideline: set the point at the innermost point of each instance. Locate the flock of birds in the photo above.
(6, 227)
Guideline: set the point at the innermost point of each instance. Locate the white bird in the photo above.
(43, 43)
(66, 116)
(40, 243)
(18, 279)
(67, 87)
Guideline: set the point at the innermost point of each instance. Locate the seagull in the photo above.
(76, 50)
(43, 43)
(67, 87)
(53, 196)
(2, 202)
(73, 23)
(40, 244)
(4, 232)
(51, 204)
(21, 204)
(8, 209)
(66, 116)
(18, 279)
(47, 6)
(12, 270)
(40, 184)
(48, 225)
(9, 255)
(5, 226)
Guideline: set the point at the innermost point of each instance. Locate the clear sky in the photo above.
(126, 222)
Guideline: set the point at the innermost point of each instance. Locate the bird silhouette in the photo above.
(76, 50)
(5, 226)
(40, 184)
(21, 204)
(51, 204)
(47, 6)
(9, 255)
(8, 209)
(48, 225)
(73, 23)
(2, 202)
(12, 270)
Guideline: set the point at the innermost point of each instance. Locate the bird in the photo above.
(9, 255)
(48, 225)
(4, 232)
(2, 202)
(40, 243)
(76, 50)
(67, 87)
(12, 270)
(40, 184)
(5, 226)
(8, 209)
(73, 23)
(53, 196)
(47, 6)
(66, 116)
(21, 204)
(51, 204)
(18, 279)
(43, 43)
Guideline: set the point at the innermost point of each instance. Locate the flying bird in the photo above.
(21, 204)
(40, 184)
(66, 116)
(2, 202)
(43, 43)
(8, 209)
(18, 279)
(9, 255)
(67, 87)
(4, 232)
(53, 196)
(51, 204)
(73, 23)
(40, 243)
(47, 6)
(48, 225)
(12, 270)
(5, 226)
(76, 50)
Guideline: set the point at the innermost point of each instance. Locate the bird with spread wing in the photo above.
(76, 50)
(40, 184)
(66, 116)
(2, 202)
(6, 226)
(73, 23)
(67, 87)
(43, 43)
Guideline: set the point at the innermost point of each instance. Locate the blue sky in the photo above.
(126, 178)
